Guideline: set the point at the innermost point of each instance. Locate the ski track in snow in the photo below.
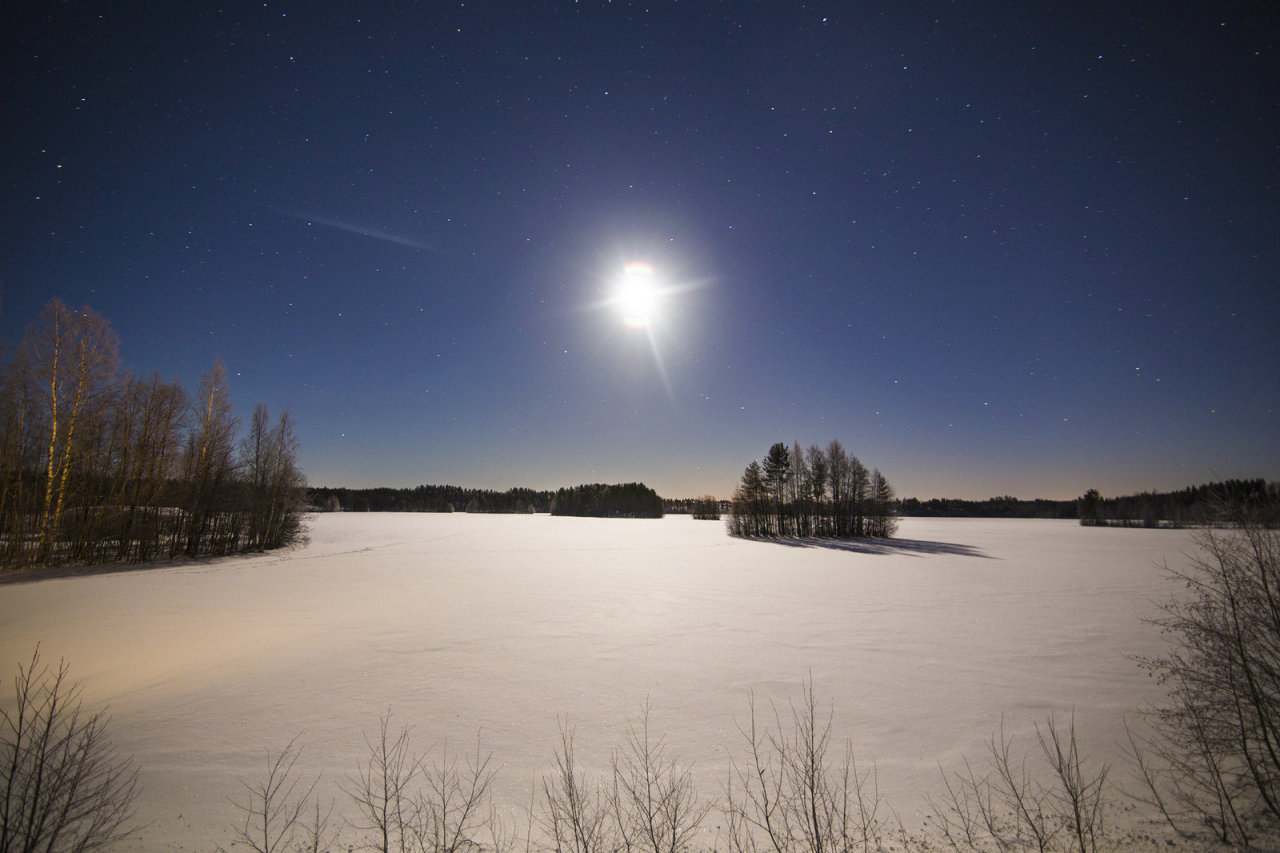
(503, 628)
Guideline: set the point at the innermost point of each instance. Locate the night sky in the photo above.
(994, 248)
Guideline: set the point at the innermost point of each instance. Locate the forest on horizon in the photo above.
(1185, 506)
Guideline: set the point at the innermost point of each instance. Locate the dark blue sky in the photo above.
(993, 248)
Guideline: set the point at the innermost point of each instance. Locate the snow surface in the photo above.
(503, 628)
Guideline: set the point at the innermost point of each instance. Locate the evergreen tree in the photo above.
(749, 503)
(1090, 509)
(881, 522)
(777, 468)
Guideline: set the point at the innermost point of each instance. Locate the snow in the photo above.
(504, 628)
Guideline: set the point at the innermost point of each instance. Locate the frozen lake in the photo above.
(503, 626)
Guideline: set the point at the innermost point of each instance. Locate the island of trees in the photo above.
(97, 465)
(801, 493)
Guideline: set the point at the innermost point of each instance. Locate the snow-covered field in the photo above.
(505, 627)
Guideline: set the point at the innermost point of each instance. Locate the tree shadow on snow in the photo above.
(918, 547)
(33, 574)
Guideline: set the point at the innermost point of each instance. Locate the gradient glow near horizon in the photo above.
(1023, 253)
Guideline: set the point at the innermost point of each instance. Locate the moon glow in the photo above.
(637, 297)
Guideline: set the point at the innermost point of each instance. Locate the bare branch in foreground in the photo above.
(64, 786)
(272, 812)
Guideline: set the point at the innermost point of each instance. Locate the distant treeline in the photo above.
(624, 500)
(1192, 505)
(1002, 507)
(707, 507)
(430, 499)
(627, 500)
(97, 465)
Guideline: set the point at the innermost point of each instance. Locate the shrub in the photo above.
(1211, 757)
(64, 787)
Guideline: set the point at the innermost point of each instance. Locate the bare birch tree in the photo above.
(274, 484)
(818, 468)
(153, 412)
(210, 466)
(840, 474)
(72, 357)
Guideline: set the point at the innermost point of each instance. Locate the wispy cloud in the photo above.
(353, 228)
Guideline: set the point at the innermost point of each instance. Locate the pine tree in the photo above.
(749, 503)
(881, 522)
(777, 468)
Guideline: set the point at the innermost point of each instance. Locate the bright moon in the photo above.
(637, 295)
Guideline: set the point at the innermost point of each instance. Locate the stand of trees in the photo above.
(706, 508)
(98, 465)
(430, 499)
(624, 500)
(814, 492)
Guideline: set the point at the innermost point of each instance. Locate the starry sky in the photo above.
(992, 247)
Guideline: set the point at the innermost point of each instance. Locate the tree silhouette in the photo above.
(813, 493)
